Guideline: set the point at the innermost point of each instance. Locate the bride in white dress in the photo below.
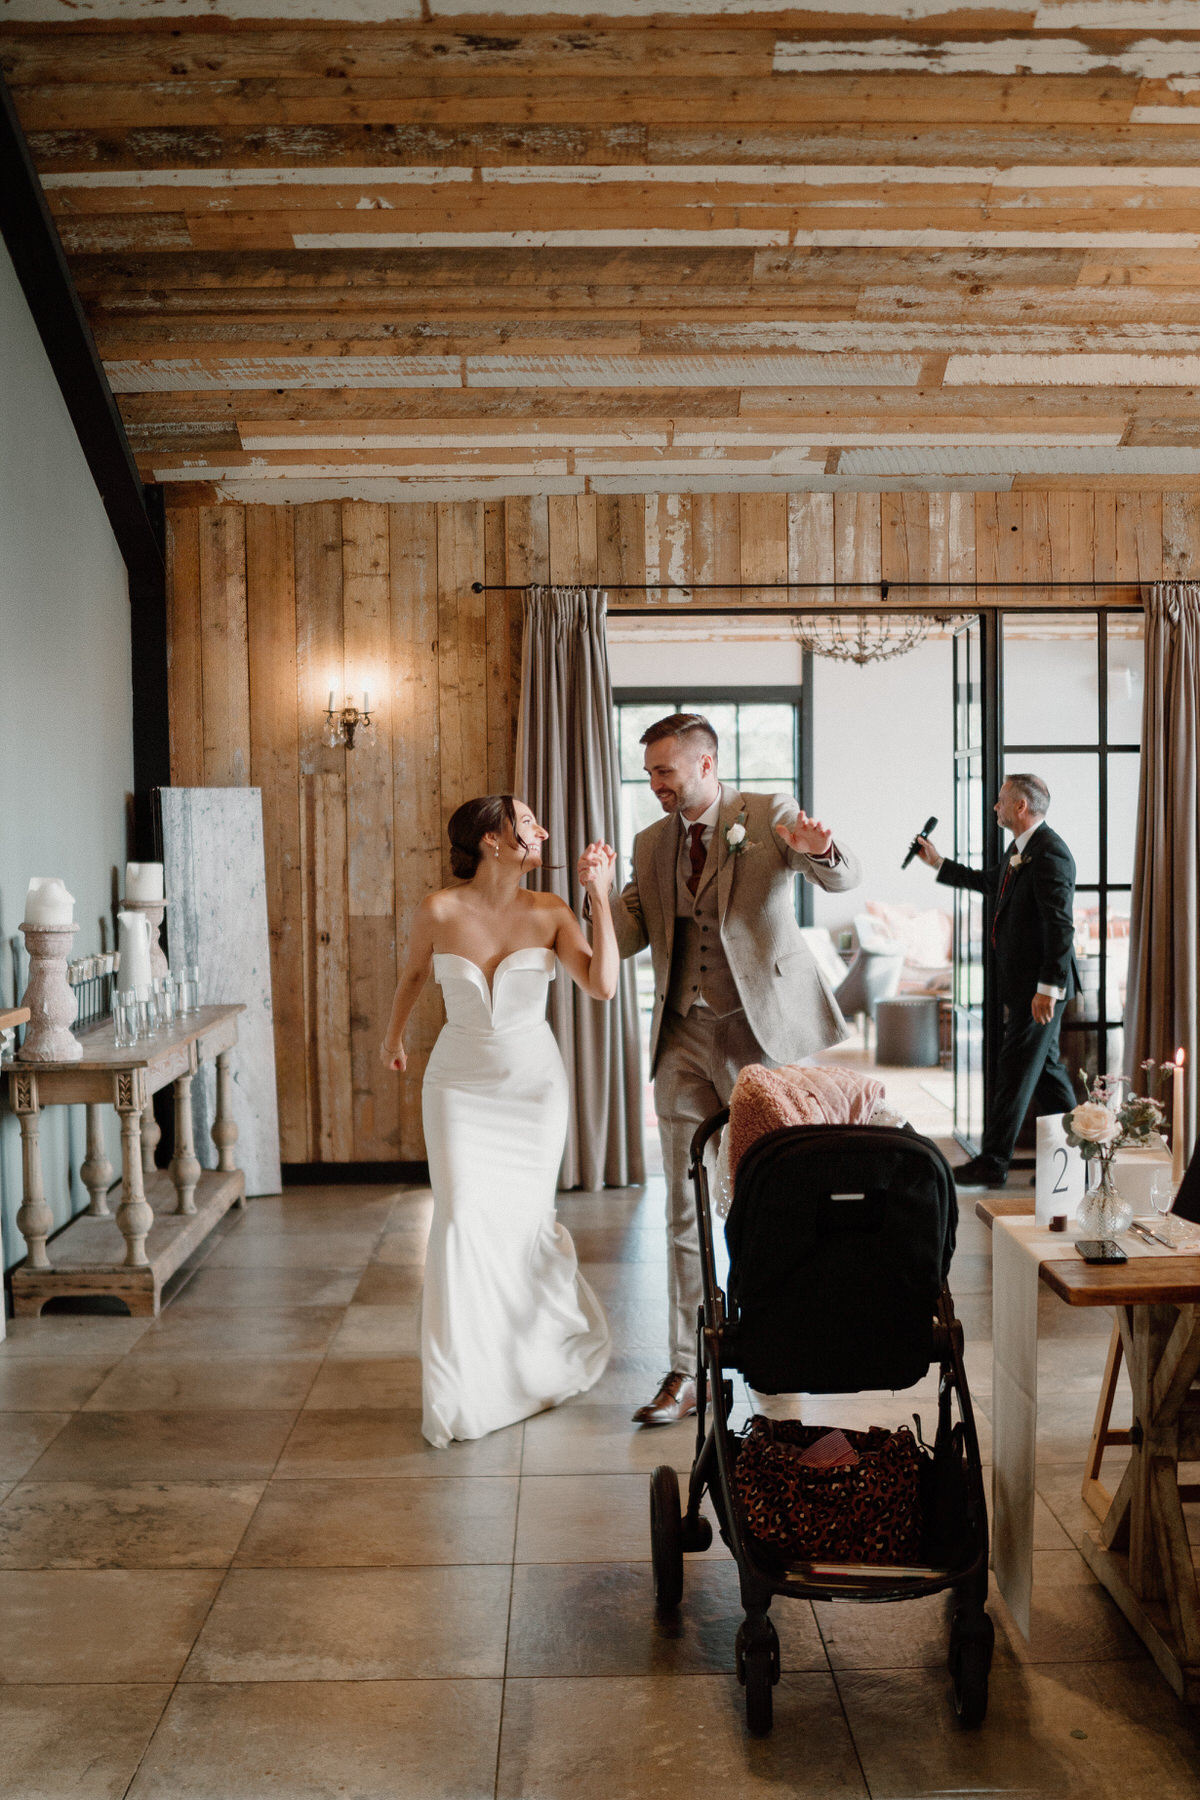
(508, 1324)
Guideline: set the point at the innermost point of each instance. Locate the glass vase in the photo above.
(1103, 1212)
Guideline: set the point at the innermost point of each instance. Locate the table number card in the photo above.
(1059, 1180)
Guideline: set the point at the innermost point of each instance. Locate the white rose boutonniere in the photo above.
(736, 840)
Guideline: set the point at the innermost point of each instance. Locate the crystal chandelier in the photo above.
(861, 637)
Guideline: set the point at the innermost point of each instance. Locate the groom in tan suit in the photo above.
(712, 893)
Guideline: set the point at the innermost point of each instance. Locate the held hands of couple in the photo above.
(596, 867)
(809, 836)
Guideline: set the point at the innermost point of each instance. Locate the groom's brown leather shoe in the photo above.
(675, 1399)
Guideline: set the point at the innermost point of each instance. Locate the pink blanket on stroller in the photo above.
(768, 1099)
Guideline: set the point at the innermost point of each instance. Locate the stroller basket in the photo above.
(840, 1240)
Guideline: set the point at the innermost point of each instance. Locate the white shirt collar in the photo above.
(1019, 843)
(708, 818)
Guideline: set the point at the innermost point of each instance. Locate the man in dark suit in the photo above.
(1033, 932)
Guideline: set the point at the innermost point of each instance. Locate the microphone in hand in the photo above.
(914, 847)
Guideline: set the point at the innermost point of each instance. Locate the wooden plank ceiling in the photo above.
(401, 250)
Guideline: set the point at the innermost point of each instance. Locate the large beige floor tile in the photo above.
(99, 1337)
(140, 1525)
(23, 1438)
(212, 1288)
(621, 1244)
(381, 1523)
(378, 1330)
(389, 1284)
(1072, 1617)
(403, 1247)
(643, 1281)
(301, 1212)
(602, 1440)
(590, 1619)
(376, 1382)
(84, 1742)
(1101, 1731)
(663, 1737)
(237, 1445)
(588, 1518)
(294, 1250)
(101, 1624)
(378, 1740)
(197, 1384)
(355, 1625)
(49, 1384)
(262, 1332)
(382, 1442)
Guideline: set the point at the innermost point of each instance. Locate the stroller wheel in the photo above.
(970, 1660)
(758, 1671)
(666, 1538)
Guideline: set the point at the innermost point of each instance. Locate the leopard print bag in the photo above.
(866, 1511)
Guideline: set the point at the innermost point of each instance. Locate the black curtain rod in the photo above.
(882, 588)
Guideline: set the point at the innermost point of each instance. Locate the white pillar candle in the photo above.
(48, 902)
(366, 702)
(134, 937)
(329, 708)
(1177, 1122)
(143, 881)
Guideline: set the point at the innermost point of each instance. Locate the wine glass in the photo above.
(1162, 1191)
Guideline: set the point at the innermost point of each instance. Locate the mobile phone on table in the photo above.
(1101, 1250)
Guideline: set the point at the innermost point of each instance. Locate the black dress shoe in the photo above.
(675, 1399)
(979, 1172)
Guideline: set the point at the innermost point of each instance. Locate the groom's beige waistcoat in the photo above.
(755, 957)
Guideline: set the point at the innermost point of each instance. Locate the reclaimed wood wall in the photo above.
(271, 606)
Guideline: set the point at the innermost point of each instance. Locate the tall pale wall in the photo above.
(271, 607)
(65, 703)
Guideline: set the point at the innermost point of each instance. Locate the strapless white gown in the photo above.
(508, 1324)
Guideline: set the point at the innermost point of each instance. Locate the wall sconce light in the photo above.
(343, 724)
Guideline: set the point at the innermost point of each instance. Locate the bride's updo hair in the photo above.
(470, 824)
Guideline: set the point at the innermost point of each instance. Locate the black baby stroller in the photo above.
(839, 1240)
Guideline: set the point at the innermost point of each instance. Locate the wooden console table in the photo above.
(1141, 1552)
(163, 1214)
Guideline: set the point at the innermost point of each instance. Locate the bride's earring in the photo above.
(497, 853)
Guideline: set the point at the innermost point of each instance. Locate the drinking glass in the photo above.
(125, 1019)
(164, 994)
(147, 1011)
(1162, 1191)
(189, 996)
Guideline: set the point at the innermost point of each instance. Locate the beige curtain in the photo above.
(1164, 947)
(567, 772)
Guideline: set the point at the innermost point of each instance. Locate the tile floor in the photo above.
(231, 1570)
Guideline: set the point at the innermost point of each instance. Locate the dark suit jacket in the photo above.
(1034, 922)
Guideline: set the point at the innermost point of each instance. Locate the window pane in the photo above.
(767, 741)
(770, 784)
(1122, 815)
(722, 716)
(1118, 954)
(1074, 803)
(1050, 679)
(1126, 663)
(633, 720)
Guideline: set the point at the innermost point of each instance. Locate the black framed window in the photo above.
(1071, 688)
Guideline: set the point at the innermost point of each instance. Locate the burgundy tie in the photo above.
(696, 833)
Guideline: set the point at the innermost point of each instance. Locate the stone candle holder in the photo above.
(49, 997)
(155, 911)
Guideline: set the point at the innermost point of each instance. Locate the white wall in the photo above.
(883, 748)
(634, 664)
(65, 702)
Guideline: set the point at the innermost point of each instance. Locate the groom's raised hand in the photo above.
(809, 836)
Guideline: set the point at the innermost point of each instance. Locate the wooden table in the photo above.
(1140, 1552)
(163, 1214)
